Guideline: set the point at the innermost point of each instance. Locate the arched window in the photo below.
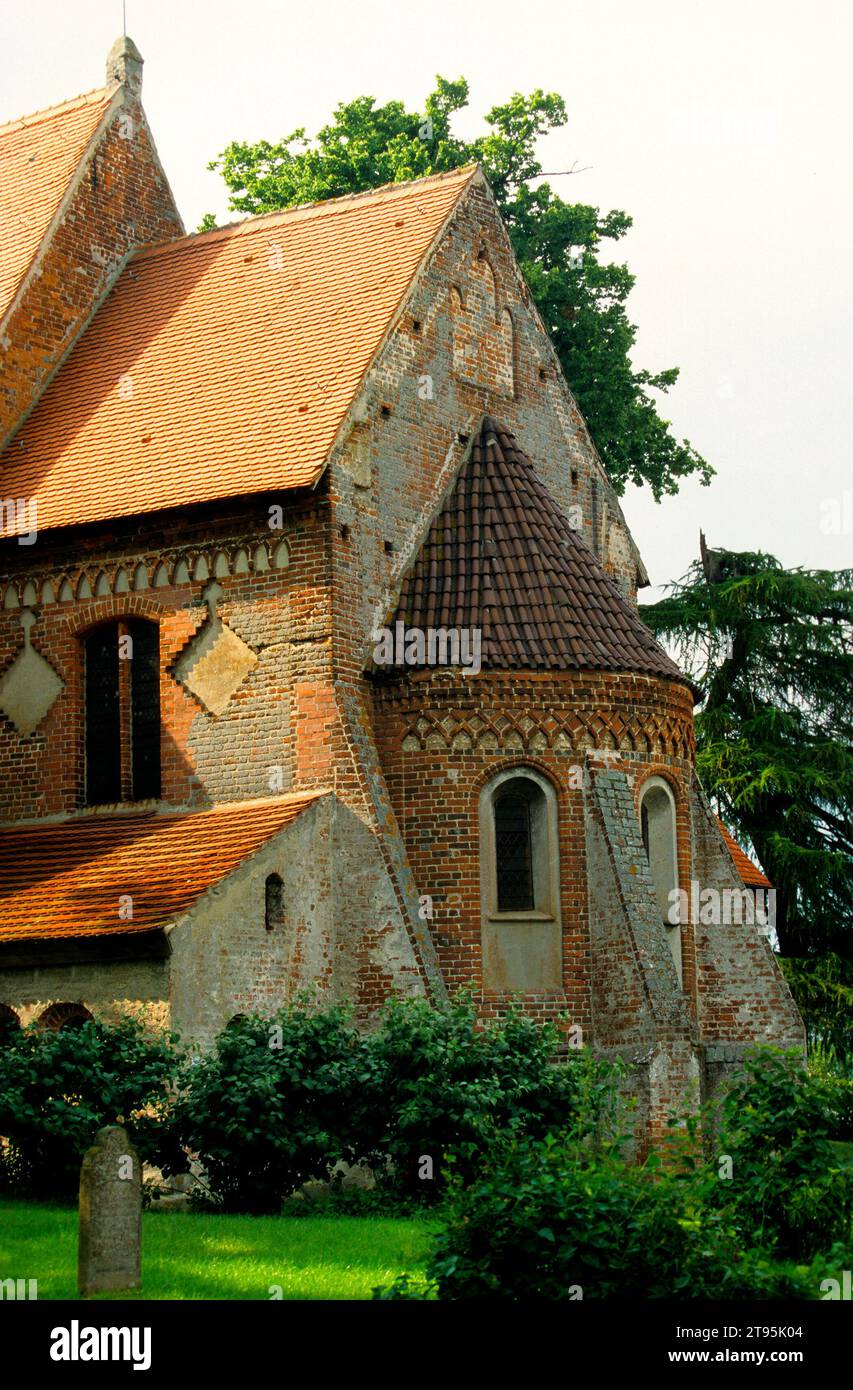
(60, 1016)
(273, 902)
(122, 694)
(519, 827)
(657, 825)
(514, 847)
(519, 882)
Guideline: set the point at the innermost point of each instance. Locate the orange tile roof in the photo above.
(65, 880)
(751, 875)
(38, 157)
(225, 363)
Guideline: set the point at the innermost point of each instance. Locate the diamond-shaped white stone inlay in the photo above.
(29, 686)
(216, 662)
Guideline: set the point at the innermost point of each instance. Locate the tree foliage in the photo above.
(771, 648)
(558, 244)
(57, 1089)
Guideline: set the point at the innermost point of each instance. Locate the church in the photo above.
(321, 667)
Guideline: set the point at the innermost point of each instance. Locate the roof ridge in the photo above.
(35, 117)
(329, 207)
(158, 813)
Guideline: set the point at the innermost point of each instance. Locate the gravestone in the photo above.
(109, 1252)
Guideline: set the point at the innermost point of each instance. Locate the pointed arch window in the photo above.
(122, 711)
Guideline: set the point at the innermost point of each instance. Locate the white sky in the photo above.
(724, 129)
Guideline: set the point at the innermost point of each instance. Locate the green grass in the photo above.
(193, 1256)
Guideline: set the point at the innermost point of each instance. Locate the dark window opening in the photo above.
(145, 709)
(122, 694)
(514, 854)
(273, 902)
(60, 1016)
(103, 717)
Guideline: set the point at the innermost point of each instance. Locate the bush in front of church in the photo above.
(447, 1085)
(275, 1104)
(546, 1219)
(784, 1185)
(280, 1102)
(57, 1089)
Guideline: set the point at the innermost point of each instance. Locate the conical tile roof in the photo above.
(501, 556)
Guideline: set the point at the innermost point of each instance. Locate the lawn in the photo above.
(189, 1256)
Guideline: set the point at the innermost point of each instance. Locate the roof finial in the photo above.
(124, 65)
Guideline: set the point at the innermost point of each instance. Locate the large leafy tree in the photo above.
(771, 649)
(581, 298)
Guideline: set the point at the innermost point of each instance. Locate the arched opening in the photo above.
(519, 882)
(514, 814)
(60, 1016)
(273, 902)
(658, 829)
(122, 711)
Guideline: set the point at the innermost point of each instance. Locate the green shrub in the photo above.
(57, 1089)
(550, 1220)
(426, 1088)
(786, 1189)
(446, 1085)
(836, 1070)
(275, 1104)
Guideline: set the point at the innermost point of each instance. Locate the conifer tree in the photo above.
(771, 650)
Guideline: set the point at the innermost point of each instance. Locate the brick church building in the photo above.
(320, 660)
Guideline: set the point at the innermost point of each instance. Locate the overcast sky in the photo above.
(724, 129)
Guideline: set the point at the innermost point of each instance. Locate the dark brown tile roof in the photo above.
(501, 556)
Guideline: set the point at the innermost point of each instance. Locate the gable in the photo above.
(81, 186)
(38, 157)
(225, 364)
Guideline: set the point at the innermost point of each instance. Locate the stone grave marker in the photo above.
(109, 1252)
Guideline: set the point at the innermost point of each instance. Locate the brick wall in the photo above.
(742, 996)
(119, 200)
(391, 471)
(441, 737)
(282, 613)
